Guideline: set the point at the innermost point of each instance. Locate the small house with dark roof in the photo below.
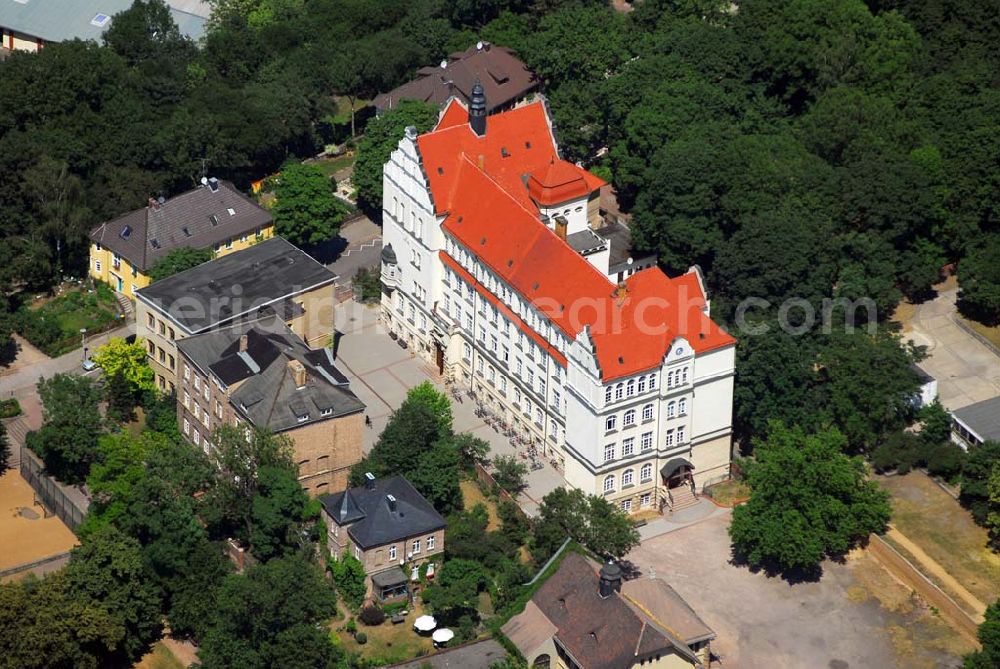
(261, 374)
(977, 423)
(213, 216)
(505, 80)
(387, 525)
(585, 617)
(272, 278)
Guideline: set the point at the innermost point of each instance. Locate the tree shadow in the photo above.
(328, 251)
(771, 569)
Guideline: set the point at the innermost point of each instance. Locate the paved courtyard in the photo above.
(966, 371)
(381, 373)
(855, 617)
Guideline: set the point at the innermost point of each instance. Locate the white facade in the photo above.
(611, 438)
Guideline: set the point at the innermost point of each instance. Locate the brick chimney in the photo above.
(298, 372)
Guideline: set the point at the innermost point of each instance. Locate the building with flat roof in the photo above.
(28, 25)
(260, 373)
(387, 525)
(585, 617)
(213, 216)
(271, 278)
(499, 268)
(506, 80)
(976, 423)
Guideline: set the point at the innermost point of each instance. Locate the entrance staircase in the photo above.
(681, 498)
(125, 305)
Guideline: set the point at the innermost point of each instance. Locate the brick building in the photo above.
(261, 374)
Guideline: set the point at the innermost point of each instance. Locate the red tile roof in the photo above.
(479, 184)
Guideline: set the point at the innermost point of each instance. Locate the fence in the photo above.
(49, 492)
(38, 567)
(487, 479)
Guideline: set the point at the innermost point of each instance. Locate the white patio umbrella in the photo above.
(424, 623)
(443, 635)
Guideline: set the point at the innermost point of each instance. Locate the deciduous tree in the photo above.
(306, 210)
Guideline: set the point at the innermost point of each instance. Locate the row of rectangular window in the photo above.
(628, 447)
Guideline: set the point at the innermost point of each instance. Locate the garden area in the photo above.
(53, 325)
(729, 492)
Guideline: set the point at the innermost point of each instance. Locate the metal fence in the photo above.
(48, 491)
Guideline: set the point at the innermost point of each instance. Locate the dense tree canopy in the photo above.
(590, 520)
(808, 501)
(67, 441)
(306, 211)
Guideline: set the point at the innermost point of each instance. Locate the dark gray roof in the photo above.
(267, 394)
(620, 238)
(475, 655)
(378, 524)
(504, 78)
(983, 418)
(390, 577)
(586, 242)
(199, 218)
(240, 283)
(61, 20)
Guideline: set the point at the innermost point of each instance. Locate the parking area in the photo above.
(381, 373)
(856, 616)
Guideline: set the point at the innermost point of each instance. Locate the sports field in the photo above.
(26, 534)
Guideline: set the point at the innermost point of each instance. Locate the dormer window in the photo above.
(325, 412)
(214, 219)
(231, 211)
(302, 417)
(155, 243)
(126, 232)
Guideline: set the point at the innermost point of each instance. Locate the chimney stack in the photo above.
(298, 371)
(611, 579)
(369, 481)
(477, 109)
(391, 501)
(243, 343)
(213, 183)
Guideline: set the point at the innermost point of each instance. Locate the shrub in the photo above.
(351, 626)
(372, 616)
(943, 459)
(361, 638)
(395, 607)
(10, 408)
(901, 451)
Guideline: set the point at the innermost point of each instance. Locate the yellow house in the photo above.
(213, 216)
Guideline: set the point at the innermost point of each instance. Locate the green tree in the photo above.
(120, 358)
(120, 466)
(427, 395)
(590, 520)
(976, 473)
(993, 515)
(456, 589)
(382, 135)
(989, 638)
(472, 450)
(509, 473)
(979, 278)
(108, 570)
(258, 612)
(935, 423)
(178, 260)
(67, 441)
(349, 578)
(306, 210)
(279, 511)
(807, 501)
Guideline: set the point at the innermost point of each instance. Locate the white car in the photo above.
(89, 365)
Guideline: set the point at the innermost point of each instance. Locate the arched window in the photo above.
(646, 473)
(684, 375)
(610, 423)
(647, 412)
(652, 381)
(619, 390)
(682, 404)
(607, 395)
(642, 384)
(609, 483)
(630, 417)
(627, 477)
(542, 662)
(671, 409)
(630, 388)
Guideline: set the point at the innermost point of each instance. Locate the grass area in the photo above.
(904, 314)
(388, 643)
(54, 325)
(992, 334)
(330, 165)
(936, 522)
(472, 495)
(729, 492)
(160, 658)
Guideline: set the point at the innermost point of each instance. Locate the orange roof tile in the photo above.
(479, 183)
(557, 182)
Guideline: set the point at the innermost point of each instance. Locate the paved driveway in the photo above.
(966, 371)
(381, 373)
(855, 617)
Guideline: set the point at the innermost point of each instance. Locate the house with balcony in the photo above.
(390, 528)
(213, 216)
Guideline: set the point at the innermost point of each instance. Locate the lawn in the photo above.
(330, 165)
(934, 521)
(388, 643)
(159, 658)
(54, 325)
(729, 492)
(992, 334)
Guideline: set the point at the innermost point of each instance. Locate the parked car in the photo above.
(89, 365)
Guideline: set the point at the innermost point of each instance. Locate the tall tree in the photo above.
(67, 441)
(808, 501)
(590, 520)
(989, 637)
(306, 210)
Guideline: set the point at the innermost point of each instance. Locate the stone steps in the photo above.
(682, 498)
(125, 304)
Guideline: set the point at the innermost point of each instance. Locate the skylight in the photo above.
(126, 232)
(155, 243)
(232, 212)
(187, 233)
(100, 20)
(214, 219)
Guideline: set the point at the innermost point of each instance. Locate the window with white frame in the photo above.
(670, 438)
(392, 552)
(684, 375)
(607, 395)
(609, 483)
(416, 546)
(492, 375)
(430, 542)
(645, 499)
(357, 553)
(187, 427)
(626, 505)
(619, 390)
(629, 417)
(682, 404)
(609, 452)
(680, 434)
(671, 409)
(642, 384)
(503, 384)
(628, 447)
(630, 387)
(539, 417)
(479, 365)
(187, 373)
(556, 398)
(628, 477)
(647, 412)
(652, 381)
(610, 423)
(187, 400)
(646, 473)
(646, 442)
(467, 350)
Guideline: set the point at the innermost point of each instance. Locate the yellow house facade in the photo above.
(213, 216)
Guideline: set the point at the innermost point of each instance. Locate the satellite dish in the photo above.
(630, 260)
(479, 45)
(444, 64)
(204, 181)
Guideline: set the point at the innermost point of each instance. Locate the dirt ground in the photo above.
(855, 617)
(25, 534)
(27, 356)
(472, 495)
(936, 522)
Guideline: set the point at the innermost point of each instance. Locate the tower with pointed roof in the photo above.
(510, 278)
